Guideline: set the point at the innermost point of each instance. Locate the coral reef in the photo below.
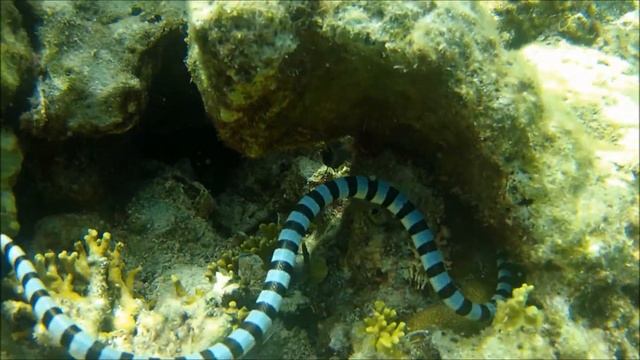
(522, 331)
(383, 333)
(514, 333)
(91, 286)
(511, 125)
(11, 163)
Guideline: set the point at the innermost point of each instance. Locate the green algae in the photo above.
(11, 159)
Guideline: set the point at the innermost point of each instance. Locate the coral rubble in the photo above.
(91, 286)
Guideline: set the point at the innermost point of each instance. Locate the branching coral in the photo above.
(90, 285)
(514, 314)
(262, 244)
(514, 333)
(380, 334)
(381, 324)
(381, 331)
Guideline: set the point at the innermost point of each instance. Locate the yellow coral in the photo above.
(261, 244)
(237, 314)
(514, 313)
(83, 283)
(183, 294)
(387, 332)
(514, 333)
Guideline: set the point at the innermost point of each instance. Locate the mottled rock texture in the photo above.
(96, 61)
(548, 159)
(16, 53)
(519, 119)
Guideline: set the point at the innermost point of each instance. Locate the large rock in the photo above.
(16, 53)
(11, 160)
(547, 154)
(96, 61)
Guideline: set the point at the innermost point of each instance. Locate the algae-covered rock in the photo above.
(537, 147)
(400, 74)
(10, 165)
(96, 62)
(515, 333)
(380, 57)
(236, 55)
(15, 52)
(546, 155)
(620, 38)
(586, 219)
(60, 231)
(580, 22)
(587, 210)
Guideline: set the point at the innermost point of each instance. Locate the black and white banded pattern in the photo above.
(81, 345)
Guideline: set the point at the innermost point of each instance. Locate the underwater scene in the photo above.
(320, 179)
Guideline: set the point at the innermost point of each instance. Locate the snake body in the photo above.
(81, 345)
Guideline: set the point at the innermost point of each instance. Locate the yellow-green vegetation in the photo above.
(514, 333)
(381, 324)
(578, 21)
(10, 165)
(261, 243)
(524, 331)
(183, 294)
(379, 334)
(15, 53)
(224, 264)
(438, 316)
(90, 285)
(515, 314)
(237, 314)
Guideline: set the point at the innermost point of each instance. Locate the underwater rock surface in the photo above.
(11, 158)
(508, 133)
(96, 60)
(15, 50)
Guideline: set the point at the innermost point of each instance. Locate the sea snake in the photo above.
(80, 345)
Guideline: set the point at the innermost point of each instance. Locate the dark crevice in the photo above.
(99, 175)
(21, 101)
(175, 128)
(30, 22)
